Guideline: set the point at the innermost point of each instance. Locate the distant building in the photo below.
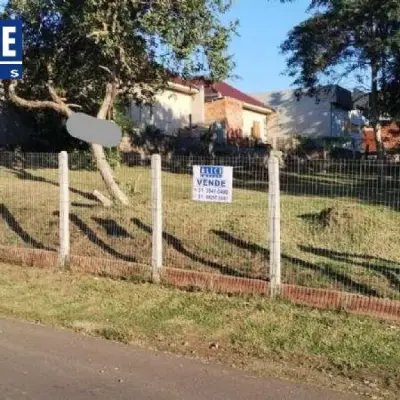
(361, 100)
(200, 102)
(327, 114)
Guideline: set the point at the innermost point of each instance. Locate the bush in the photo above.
(121, 117)
(83, 159)
(113, 157)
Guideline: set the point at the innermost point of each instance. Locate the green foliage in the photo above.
(122, 118)
(343, 37)
(390, 94)
(82, 159)
(80, 47)
(113, 156)
(308, 143)
(49, 130)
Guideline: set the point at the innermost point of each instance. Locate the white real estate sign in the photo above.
(212, 183)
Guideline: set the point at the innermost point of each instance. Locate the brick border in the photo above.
(318, 298)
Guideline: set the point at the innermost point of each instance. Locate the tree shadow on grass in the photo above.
(112, 228)
(392, 274)
(178, 246)
(17, 228)
(326, 270)
(83, 205)
(358, 185)
(25, 175)
(91, 235)
(351, 181)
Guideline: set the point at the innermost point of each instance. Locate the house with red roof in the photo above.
(200, 102)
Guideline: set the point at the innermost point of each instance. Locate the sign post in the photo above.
(212, 183)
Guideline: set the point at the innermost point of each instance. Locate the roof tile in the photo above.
(223, 88)
(230, 91)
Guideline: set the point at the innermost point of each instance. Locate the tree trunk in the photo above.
(376, 123)
(374, 110)
(103, 199)
(106, 171)
(58, 105)
(107, 175)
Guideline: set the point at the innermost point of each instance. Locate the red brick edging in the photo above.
(318, 298)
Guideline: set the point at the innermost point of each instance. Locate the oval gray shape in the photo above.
(94, 130)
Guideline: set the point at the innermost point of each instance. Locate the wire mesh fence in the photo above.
(29, 196)
(30, 207)
(339, 219)
(340, 225)
(110, 232)
(221, 238)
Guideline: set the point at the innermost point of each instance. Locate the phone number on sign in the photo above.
(213, 191)
(212, 197)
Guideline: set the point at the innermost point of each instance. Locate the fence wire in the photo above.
(339, 219)
(111, 232)
(221, 238)
(29, 200)
(30, 207)
(340, 226)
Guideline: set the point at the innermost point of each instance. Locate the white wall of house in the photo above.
(170, 111)
(338, 121)
(306, 116)
(198, 108)
(249, 117)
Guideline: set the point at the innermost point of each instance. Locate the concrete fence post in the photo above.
(64, 209)
(274, 226)
(156, 205)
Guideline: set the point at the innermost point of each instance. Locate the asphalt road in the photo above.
(47, 364)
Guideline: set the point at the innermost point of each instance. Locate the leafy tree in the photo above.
(389, 95)
(83, 55)
(343, 37)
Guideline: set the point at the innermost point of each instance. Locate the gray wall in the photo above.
(307, 116)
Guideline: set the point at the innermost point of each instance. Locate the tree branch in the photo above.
(53, 93)
(36, 104)
(55, 97)
(105, 69)
(109, 98)
(74, 106)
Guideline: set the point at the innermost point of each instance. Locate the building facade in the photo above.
(323, 115)
(202, 103)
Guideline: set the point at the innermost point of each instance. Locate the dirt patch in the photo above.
(341, 217)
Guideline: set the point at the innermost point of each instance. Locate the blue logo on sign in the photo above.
(11, 49)
(211, 172)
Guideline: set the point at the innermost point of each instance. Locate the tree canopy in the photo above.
(347, 36)
(83, 55)
(79, 46)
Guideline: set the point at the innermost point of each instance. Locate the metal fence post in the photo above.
(64, 209)
(156, 205)
(274, 226)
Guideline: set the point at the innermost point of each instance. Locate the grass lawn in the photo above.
(275, 338)
(352, 247)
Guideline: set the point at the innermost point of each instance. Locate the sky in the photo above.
(263, 26)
